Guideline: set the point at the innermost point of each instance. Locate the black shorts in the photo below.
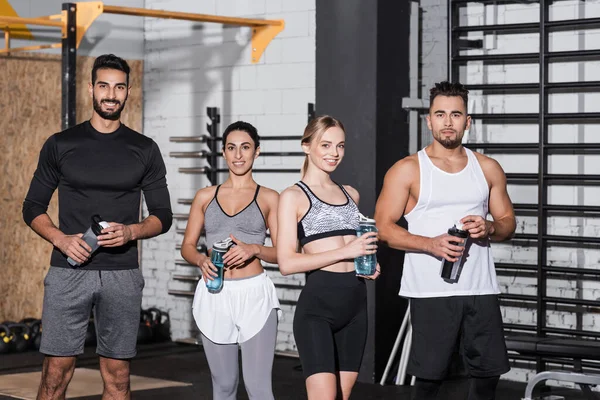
(468, 325)
(330, 322)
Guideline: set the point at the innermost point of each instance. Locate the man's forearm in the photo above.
(503, 229)
(399, 238)
(43, 226)
(148, 228)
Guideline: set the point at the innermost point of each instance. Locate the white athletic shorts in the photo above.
(238, 311)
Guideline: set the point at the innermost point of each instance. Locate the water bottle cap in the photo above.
(458, 225)
(98, 224)
(223, 244)
(365, 220)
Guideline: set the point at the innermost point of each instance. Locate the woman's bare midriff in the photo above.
(253, 268)
(328, 244)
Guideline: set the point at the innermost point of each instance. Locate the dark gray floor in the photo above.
(186, 363)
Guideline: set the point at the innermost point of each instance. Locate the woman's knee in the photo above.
(258, 386)
(321, 386)
(225, 384)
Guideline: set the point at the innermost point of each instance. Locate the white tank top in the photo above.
(445, 198)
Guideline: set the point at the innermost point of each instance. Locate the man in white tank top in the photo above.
(442, 185)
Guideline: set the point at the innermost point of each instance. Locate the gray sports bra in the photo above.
(248, 225)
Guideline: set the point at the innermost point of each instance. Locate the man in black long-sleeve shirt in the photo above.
(99, 167)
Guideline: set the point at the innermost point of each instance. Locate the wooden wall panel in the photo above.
(30, 108)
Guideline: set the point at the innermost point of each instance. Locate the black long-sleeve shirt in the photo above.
(104, 174)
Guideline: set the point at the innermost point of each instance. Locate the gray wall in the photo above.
(362, 75)
(346, 86)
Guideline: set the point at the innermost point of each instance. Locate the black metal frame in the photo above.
(542, 210)
(207, 154)
(69, 68)
(212, 140)
(213, 144)
(311, 111)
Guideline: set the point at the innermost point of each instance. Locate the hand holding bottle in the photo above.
(91, 238)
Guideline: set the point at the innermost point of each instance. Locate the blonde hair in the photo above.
(314, 130)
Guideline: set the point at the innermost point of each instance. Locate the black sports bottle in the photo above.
(450, 270)
(91, 236)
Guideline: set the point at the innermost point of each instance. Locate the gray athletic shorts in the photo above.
(69, 297)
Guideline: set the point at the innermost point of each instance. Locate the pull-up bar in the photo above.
(144, 12)
(8, 29)
(45, 21)
(76, 18)
(86, 12)
(262, 33)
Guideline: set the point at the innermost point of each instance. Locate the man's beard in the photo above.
(110, 115)
(449, 143)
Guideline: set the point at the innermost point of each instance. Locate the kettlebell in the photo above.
(21, 336)
(145, 333)
(164, 330)
(5, 339)
(38, 338)
(35, 326)
(161, 325)
(154, 322)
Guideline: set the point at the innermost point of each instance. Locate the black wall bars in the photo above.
(457, 46)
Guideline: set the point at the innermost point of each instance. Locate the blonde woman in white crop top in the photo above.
(442, 185)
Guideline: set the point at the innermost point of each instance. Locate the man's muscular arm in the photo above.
(70, 245)
(390, 207)
(391, 204)
(119, 234)
(500, 206)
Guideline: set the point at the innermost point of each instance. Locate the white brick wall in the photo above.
(434, 51)
(434, 58)
(189, 67)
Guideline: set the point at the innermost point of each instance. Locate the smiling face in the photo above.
(109, 93)
(326, 152)
(240, 152)
(448, 120)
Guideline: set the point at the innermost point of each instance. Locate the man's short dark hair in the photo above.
(109, 61)
(449, 89)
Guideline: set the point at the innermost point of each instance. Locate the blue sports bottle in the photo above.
(216, 257)
(365, 265)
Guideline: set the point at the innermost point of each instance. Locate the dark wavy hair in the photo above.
(109, 61)
(449, 89)
(244, 127)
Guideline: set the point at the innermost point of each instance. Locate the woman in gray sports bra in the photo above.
(244, 312)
